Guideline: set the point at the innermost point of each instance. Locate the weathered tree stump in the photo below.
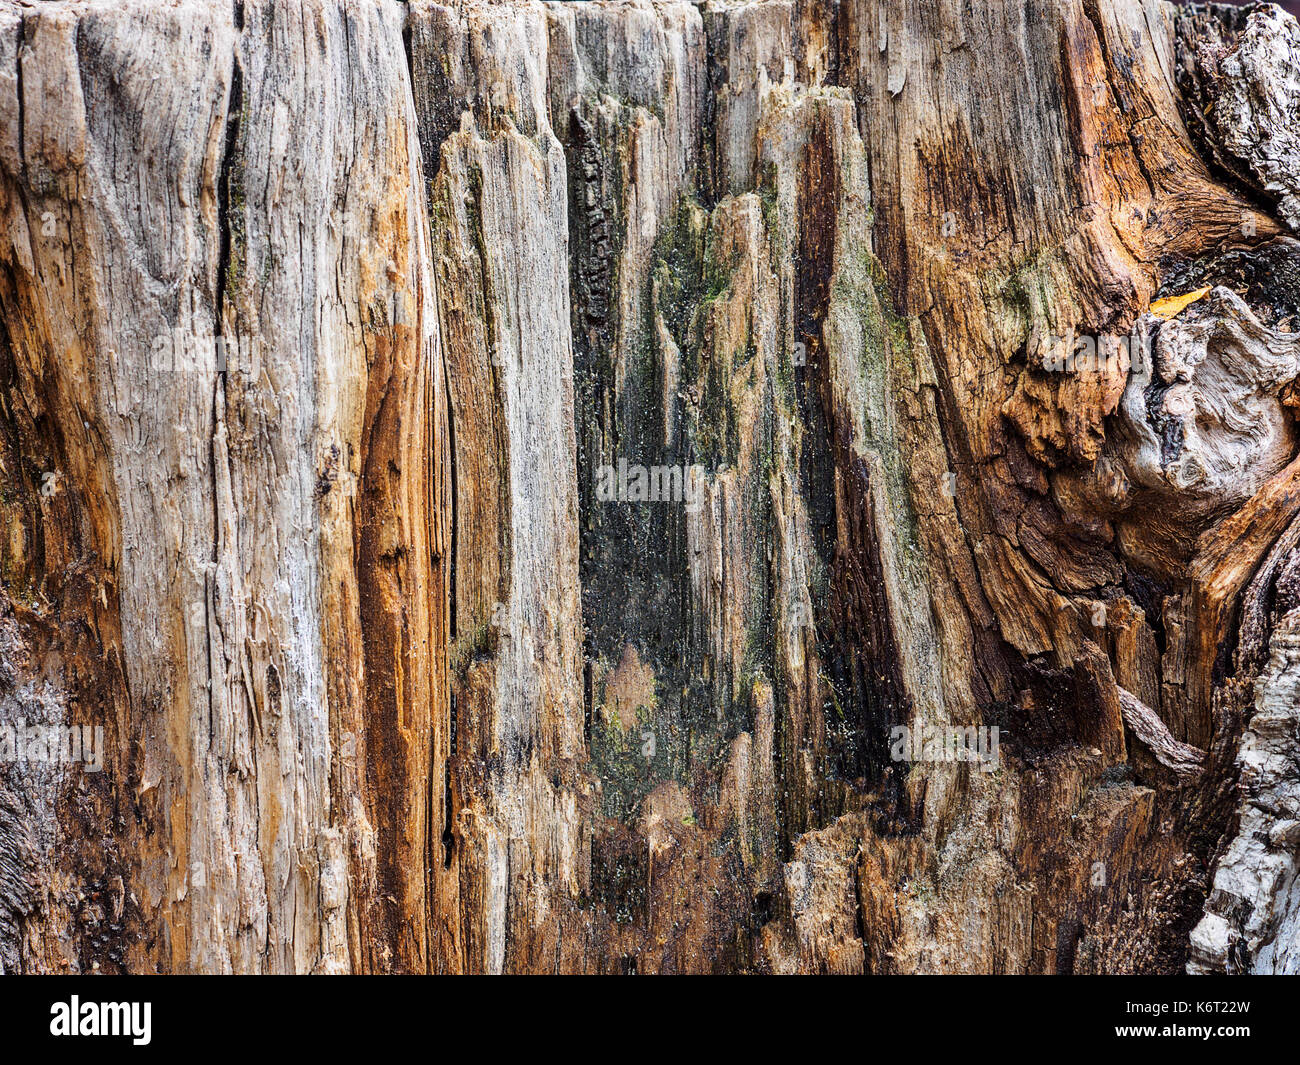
(781, 485)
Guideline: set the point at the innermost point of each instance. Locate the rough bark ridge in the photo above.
(327, 325)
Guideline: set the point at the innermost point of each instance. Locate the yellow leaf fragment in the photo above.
(1171, 306)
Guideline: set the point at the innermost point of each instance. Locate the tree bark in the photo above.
(340, 337)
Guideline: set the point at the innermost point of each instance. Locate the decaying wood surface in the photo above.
(340, 337)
